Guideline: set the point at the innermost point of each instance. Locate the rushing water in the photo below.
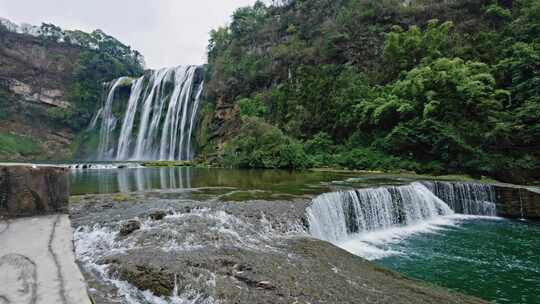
(334, 217)
(158, 120)
(441, 232)
(338, 216)
(466, 198)
(497, 260)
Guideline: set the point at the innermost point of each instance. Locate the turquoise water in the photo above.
(494, 259)
(497, 260)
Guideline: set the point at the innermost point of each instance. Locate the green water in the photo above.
(270, 181)
(150, 179)
(276, 181)
(497, 260)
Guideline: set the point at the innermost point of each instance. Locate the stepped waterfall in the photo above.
(337, 216)
(466, 198)
(156, 119)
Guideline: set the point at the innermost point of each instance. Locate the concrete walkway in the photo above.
(37, 262)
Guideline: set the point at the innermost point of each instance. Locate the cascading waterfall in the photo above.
(336, 216)
(466, 198)
(158, 119)
(108, 121)
(124, 141)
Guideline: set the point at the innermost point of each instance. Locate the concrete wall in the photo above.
(30, 190)
(517, 202)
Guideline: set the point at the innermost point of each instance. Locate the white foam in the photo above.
(374, 245)
(94, 243)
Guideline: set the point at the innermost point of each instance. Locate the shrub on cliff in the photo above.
(261, 145)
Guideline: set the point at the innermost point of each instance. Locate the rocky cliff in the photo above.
(49, 88)
(34, 78)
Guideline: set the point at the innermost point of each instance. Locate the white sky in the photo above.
(166, 32)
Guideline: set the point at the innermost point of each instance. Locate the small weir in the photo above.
(336, 217)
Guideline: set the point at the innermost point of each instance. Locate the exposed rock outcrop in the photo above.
(35, 77)
(43, 75)
(518, 202)
(35, 71)
(26, 190)
(129, 227)
(217, 252)
(29, 93)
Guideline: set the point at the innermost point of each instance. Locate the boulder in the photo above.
(129, 227)
(31, 190)
(157, 215)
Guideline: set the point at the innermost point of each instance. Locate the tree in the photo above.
(404, 50)
(520, 70)
(444, 111)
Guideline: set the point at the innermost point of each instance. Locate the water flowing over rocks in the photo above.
(226, 252)
(335, 216)
(466, 198)
(129, 227)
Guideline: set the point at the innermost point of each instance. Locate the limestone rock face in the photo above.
(27, 191)
(51, 97)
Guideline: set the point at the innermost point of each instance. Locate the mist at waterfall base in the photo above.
(415, 232)
(156, 122)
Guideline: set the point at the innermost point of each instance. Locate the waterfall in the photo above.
(108, 120)
(158, 119)
(335, 216)
(124, 141)
(466, 198)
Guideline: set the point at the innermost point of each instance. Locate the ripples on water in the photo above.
(497, 260)
(494, 259)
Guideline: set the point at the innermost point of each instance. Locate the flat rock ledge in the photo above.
(37, 260)
(229, 253)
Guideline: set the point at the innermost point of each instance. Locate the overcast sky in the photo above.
(166, 32)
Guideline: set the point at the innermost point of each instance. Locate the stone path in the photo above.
(37, 262)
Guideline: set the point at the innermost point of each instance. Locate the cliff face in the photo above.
(35, 77)
(50, 87)
(37, 71)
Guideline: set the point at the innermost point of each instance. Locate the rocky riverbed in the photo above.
(155, 248)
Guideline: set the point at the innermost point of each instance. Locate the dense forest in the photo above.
(427, 86)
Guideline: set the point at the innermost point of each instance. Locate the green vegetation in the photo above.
(261, 145)
(102, 59)
(433, 87)
(12, 145)
(94, 69)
